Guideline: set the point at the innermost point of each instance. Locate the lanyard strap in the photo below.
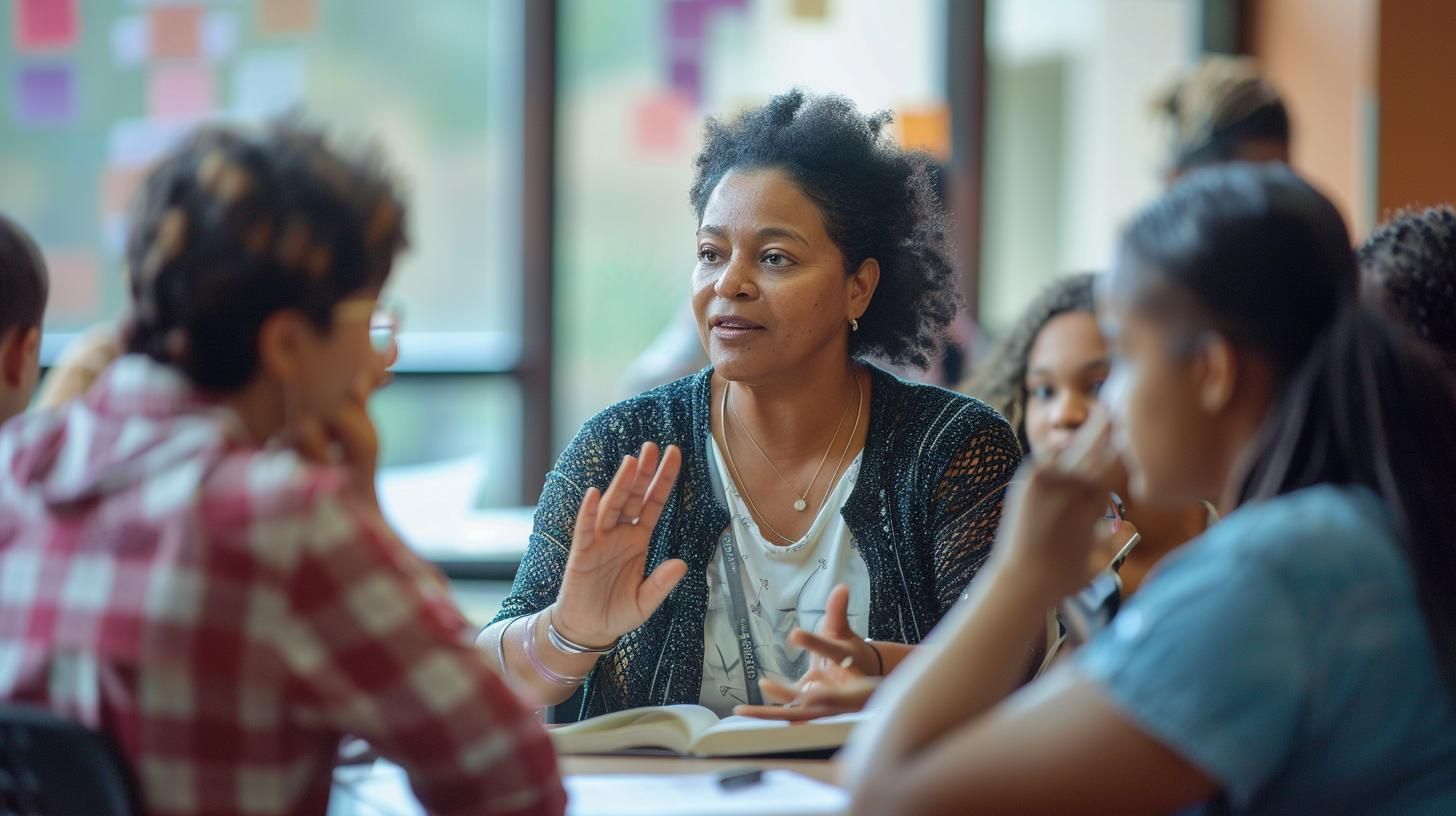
(743, 632)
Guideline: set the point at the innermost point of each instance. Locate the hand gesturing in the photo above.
(604, 593)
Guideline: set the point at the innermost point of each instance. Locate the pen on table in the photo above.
(736, 778)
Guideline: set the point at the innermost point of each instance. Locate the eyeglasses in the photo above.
(384, 331)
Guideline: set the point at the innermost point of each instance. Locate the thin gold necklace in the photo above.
(738, 475)
(801, 503)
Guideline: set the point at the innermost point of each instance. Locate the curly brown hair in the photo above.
(238, 224)
(1001, 380)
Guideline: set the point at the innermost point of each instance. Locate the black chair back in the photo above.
(50, 766)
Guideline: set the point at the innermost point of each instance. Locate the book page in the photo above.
(744, 736)
(670, 727)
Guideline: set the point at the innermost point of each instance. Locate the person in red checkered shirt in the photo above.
(192, 557)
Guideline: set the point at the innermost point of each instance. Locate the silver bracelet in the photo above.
(500, 644)
(569, 646)
(547, 673)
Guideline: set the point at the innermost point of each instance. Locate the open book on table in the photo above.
(696, 731)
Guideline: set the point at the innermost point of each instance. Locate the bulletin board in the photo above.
(97, 90)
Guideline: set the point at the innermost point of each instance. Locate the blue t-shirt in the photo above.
(1284, 653)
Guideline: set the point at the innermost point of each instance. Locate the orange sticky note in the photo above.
(287, 16)
(816, 10)
(176, 31)
(925, 129)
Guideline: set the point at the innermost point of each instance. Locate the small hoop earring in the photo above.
(853, 324)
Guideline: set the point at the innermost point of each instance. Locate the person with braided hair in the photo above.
(816, 490)
(194, 559)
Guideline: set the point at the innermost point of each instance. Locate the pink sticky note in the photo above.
(44, 95)
(75, 282)
(176, 31)
(180, 92)
(45, 25)
(660, 122)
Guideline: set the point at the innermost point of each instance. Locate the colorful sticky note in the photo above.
(219, 35)
(287, 16)
(180, 92)
(816, 10)
(75, 282)
(686, 77)
(686, 20)
(45, 25)
(44, 95)
(119, 185)
(660, 122)
(131, 41)
(267, 83)
(925, 129)
(176, 31)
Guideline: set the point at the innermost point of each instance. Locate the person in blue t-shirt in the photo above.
(1299, 657)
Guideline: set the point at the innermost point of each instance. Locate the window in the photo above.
(1072, 145)
(636, 79)
(98, 91)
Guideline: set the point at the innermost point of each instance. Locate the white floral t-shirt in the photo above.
(785, 588)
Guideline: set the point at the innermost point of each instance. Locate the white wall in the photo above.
(1067, 168)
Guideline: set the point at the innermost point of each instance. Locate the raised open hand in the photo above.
(604, 592)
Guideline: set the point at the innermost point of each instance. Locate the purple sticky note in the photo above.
(685, 19)
(686, 77)
(44, 95)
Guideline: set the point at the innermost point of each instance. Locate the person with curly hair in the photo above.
(195, 560)
(816, 490)
(1045, 377)
(1408, 270)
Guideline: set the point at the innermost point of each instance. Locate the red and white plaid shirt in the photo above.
(226, 613)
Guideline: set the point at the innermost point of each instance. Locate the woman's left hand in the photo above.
(842, 674)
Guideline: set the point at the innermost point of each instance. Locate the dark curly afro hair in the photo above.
(877, 201)
(1408, 270)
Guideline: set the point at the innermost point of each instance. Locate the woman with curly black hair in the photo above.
(804, 469)
(1045, 377)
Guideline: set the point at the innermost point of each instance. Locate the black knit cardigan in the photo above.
(924, 512)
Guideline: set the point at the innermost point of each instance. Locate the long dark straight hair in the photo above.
(1265, 260)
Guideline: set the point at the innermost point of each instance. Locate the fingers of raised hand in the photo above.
(837, 654)
(614, 500)
(835, 623)
(641, 478)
